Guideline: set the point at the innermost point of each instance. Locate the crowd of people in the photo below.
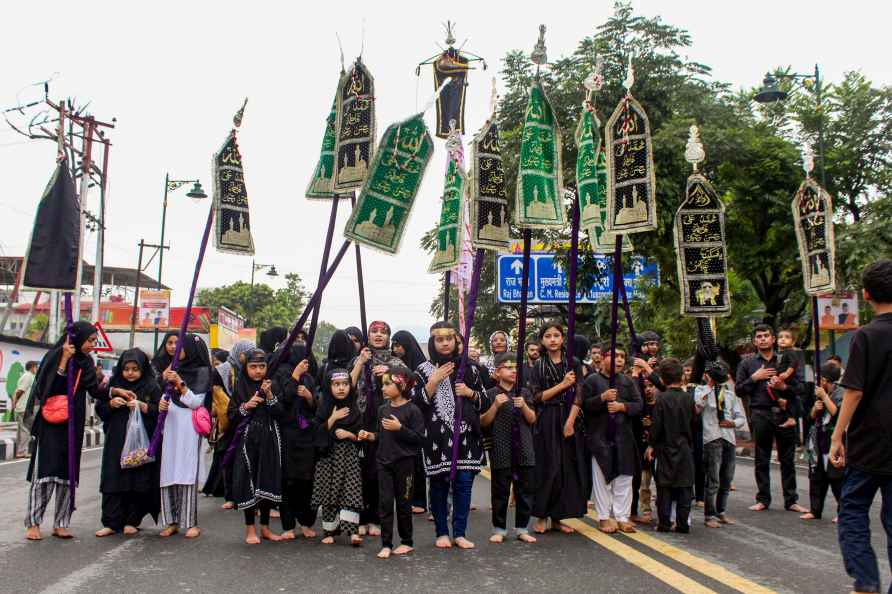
(383, 428)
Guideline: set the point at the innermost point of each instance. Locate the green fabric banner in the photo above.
(449, 231)
(382, 211)
(539, 180)
(320, 185)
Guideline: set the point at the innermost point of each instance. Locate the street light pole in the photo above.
(254, 268)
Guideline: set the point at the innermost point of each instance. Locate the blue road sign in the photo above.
(548, 279)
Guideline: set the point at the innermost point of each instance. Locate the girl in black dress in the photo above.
(129, 494)
(404, 346)
(257, 467)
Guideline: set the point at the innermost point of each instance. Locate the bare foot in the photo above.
(104, 532)
(539, 527)
(418, 510)
(374, 530)
(193, 532)
(308, 532)
(328, 540)
(807, 516)
(835, 520)
(362, 530)
(251, 536)
(443, 542)
(496, 539)
(131, 530)
(33, 533)
(524, 537)
(430, 517)
(565, 529)
(797, 508)
(463, 543)
(384, 553)
(62, 533)
(356, 540)
(288, 535)
(712, 523)
(724, 519)
(627, 527)
(268, 534)
(606, 526)
(403, 550)
(274, 513)
(758, 507)
(642, 519)
(228, 505)
(169, 531)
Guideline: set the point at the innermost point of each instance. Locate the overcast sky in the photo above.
(173, 74)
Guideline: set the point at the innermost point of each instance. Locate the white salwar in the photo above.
(613, 498)
(182, 465)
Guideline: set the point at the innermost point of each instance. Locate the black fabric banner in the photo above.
(451, 100)
(233, 230)
(489, 198)
(53, 252)
(355, 128)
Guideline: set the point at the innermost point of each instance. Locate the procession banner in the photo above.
(233, 228)
(382, 211)
(355, 128)
(701, 254)
(488, 195)
(451, 100)
(449, 230)
(539, 180)
(631, 185)
(321, 185)
(813, 219)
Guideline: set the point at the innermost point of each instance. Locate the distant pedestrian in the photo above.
(20, 409)
(864, 421)
(821, 474)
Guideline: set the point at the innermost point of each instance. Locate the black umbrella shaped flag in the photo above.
(53, 252)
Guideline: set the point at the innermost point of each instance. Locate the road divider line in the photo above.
(707, 568)
(662, 572)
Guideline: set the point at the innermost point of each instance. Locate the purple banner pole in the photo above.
(332, 218)
(175, 361)
(570, 395)
(73, 446)
(360, 284)
(521, 351)
(470, 308)
(286, 347)
(614, 327)
(447, 287)
(819, 422)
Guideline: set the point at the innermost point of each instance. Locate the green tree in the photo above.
(262, 306)
(324, 332)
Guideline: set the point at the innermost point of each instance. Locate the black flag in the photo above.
(53, 252)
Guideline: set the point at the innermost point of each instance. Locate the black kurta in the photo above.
(563, 473)
(672, 438)
(621, 456)
(257, 467)
(115, 479)
(296, 425)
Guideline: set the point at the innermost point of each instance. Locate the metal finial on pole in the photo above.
(540, 53)
(450, 33)
(694, 152)
(808, 160)
(240, 114)
(629, 81)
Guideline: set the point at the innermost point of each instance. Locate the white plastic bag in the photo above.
(135, 452)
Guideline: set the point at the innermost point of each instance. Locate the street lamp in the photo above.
(197, 194)
(254, 268)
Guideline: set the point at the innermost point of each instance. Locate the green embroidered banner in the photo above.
(382, 211)
(539, 181)
(320, 185)
(449, 231)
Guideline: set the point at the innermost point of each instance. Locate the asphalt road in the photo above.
(765, 552)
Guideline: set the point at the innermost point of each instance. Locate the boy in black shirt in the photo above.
(399, 437)
(864, 421)
(506, 409)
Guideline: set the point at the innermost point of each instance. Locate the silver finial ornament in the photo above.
(595, 80)
(539, 55)
(693, 152)
(493, 98)
(450, 34)
(808, 160)
(630, 77)
(453, 141)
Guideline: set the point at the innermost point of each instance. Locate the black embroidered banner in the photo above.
(53, 252)
(489, 198)
(701, 253)
(355, 128)
(233, 228)
(631, 185)
(451, 100)
(813, 220)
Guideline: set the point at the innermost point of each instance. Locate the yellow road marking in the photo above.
(662, 572)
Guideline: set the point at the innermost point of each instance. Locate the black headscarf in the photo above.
(436, 357)
(146, 382)
(581, 347)
(272, 337)
(414, 355)
(83, 364)
(352, 422)
(162, 359)
(195, 367)
(340, 350)
(355, 333)
(245, 387)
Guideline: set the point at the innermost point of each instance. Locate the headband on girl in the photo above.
(379, 326)
(339, 375)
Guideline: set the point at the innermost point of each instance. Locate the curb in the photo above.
(93, 436)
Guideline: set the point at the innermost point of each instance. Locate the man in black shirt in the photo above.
(772, 401)
(865, 421)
